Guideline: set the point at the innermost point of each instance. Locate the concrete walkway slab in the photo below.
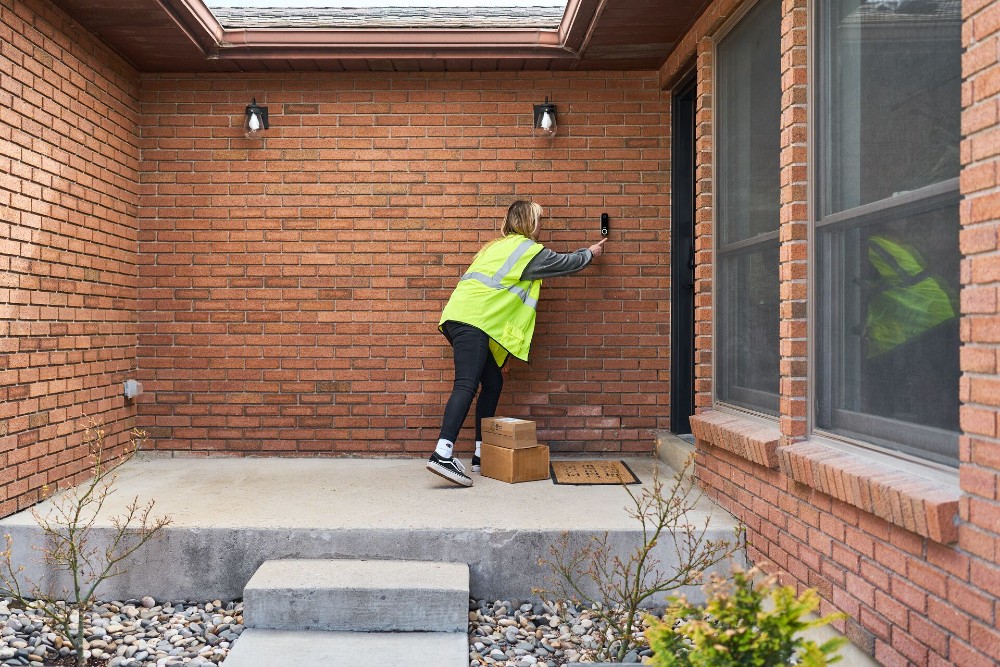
(281, 648)
(230, 515)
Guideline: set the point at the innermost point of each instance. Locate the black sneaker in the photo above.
(451, 469)
(475, 464)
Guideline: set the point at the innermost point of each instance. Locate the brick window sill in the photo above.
(752, 439)
(922, 500)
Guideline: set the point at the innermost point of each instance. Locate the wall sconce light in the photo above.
(545, 119)
(256, 119)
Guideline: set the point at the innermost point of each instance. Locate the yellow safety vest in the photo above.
(492, 297)
(910, 300)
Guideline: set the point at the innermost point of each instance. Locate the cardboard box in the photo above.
(509, 432)
(525, 464)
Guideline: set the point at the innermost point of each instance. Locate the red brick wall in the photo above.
(917, 591)
(291, 285)
(979, 530)
(68, 197)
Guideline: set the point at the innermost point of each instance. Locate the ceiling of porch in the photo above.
(185, 36)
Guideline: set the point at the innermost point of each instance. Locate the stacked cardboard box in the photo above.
(511, 452)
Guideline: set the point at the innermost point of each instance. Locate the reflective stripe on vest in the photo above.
(899, 264)
(493, 297)
(495, 281)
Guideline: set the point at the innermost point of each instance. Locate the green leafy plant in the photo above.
(744, 623)
(67, 526)
(618, 588)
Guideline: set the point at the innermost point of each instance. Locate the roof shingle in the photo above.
(369, 18)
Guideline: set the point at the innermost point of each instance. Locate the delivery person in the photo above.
(490, 315)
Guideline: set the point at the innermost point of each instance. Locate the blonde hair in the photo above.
(522, 218)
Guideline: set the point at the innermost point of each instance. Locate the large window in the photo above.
(886, 239)
(747, 210)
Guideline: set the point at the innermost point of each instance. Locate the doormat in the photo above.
(592, 472)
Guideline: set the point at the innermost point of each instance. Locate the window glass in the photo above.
(891, 98)
(747, 210)
(887, 272)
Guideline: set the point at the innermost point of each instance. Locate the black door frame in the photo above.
(682, 256)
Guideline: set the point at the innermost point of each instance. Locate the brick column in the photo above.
(703, 203)
(794, 220)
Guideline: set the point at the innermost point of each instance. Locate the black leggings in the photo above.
(474, 366)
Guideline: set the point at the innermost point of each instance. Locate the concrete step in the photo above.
(358, 596)
(281, 648)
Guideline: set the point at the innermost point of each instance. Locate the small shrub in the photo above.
(617, 588)
(67, 527)
(736, 629)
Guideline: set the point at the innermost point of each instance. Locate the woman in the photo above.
(491, 314)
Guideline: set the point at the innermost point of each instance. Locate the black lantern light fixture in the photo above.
(256, 119)
(545, 119)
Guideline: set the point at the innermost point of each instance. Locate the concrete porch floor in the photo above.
(230, 515)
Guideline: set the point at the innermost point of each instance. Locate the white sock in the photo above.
(479, 445)
(444, 448)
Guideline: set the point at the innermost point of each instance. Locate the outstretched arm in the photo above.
(549, 264)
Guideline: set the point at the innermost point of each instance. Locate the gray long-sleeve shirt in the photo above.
(549, 264)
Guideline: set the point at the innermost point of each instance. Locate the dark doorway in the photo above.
(682, 258)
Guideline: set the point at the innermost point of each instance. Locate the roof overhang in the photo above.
(219, 42)
(184, 35)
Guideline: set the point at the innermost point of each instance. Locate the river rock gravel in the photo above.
(148, 633)
(133, 633)
(529, 633)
